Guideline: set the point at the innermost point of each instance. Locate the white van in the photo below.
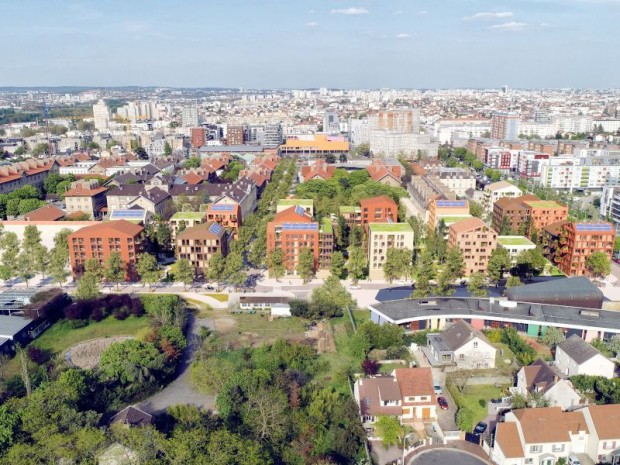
(573, 460)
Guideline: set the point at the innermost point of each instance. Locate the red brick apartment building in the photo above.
(476, 240)
(527, 208)
(227, 215)
(569, 244)
(380, 209)
(199, 137)
(234, 135)
(100, 240)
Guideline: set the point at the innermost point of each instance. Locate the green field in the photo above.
(476, 399)
(278, 328)
(62, 336)
(220, 297)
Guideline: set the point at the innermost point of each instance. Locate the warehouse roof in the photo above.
(569, 291)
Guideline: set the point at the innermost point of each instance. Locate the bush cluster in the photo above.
(120, 306)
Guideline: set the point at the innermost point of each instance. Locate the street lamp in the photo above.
(405, 443)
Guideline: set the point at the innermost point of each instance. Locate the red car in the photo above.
(443, 403)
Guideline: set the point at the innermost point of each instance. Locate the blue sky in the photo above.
(320, 43)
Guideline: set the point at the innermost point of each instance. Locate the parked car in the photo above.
(480, 428)
(573, 460)
(438, 390)
(443, 403)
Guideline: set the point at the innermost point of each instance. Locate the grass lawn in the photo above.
(388, 368)
(503, 353)
(476, 398)
(220, 297)
(261, 329)
(61, 335)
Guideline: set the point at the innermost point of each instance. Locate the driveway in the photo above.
(180, 391)
(445, 418)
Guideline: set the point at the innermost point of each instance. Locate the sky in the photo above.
(308, 44)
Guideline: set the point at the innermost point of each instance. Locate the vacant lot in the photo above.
(61, 335)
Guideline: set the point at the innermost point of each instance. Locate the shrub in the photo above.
(37, 355)
(370, 367)
(75, 324)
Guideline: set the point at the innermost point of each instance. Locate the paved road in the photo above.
(445, 457)
(179, 391)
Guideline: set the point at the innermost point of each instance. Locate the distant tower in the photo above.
(504, 89)
(189, 117)
(101, 115)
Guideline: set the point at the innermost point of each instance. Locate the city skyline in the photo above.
(365, 44)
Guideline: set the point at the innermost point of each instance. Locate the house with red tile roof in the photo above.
(86, 196)
(47, 212)
(320, 169)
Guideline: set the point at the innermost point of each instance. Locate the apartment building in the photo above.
(587, 169)
(86, 196)
(569, 244)
(198, 137)
(515, 245)
(524, 213)
(352, 215)
(28, 172)
(384, 236)
(459, 180)
(498, 190)
(530, 165)
(380, 209)
(198, 244)
(234, 135)
(100, 240)
(227, 215)
(504, 125)
(450, 211)
(476, 240)
(183, 220)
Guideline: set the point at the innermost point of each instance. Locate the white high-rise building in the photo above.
(101, 115)
(189, 117)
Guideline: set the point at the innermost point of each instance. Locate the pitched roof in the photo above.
(292, 214)
(549, 424)
(415, 381)
(210, 230)
(47, 212)
(459, 334)
(372, 390)
(606, 419)
(507, 437)
(132, 416)
(578, 349)
(500, 185)
(119, 226)
(379, 200)
(539, 376)
(81, 192)
(468, 224)
(575, 291)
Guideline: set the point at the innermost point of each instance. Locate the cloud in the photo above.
(403, 36)
(422, 12)
(312, 24)
(489, 15)
(546, 25)
(398, 12)
(350, 11)
(511, 26)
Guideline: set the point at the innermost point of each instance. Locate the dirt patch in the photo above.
(86, 355)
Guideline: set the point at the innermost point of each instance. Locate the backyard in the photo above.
(475, 398)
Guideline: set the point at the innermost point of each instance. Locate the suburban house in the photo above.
(574, 356)
(539, 436)
(86, 196)
(460, 345)
(418, 393)
(132, 416)
(378, 396)
(540, 378)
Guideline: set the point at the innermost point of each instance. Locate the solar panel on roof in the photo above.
(222, 207)
(451, 203)
(299, 210)
(593, 227)
(127, 214)
(215, 229)
(300, 226)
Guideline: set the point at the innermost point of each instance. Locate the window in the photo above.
(462, 357)
(529, 461)
(475, 344)
(558, 448)
(536, 449)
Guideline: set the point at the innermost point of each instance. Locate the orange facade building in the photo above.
(100, 240)
(380, 209)
(527, 211)
(577, 241)
(227, 215)
(476, 240)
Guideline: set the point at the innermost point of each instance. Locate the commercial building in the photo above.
(476, 240)
(384, 236)
(515, 245)
(314, 146)
(101, 115)
(498, 190)
(86, 196)
(380, 209)
(505, 125)
(569, 244)
(450, 211)
(100, 240)
(198, 244)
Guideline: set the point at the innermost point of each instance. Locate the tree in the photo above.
(598, 264)
(192, 162)
(163, 235)
(337, 265)
(552, 337)
(305, 266)
(530, 262)
(475, 209)
(465, 418)
(10, 250)
(184, 272)
(330, 299)
(147, 269)
(499, 262)
(425, 271)
(382, 336)
(397, 263)
(389, 429)
(141, 153)
(505, 227)
(444, 284)
(57, 268)
(513, 281)
(454, 266)
(24, 267)
(477, 285)
(114, 269)
(39, 149)
(233, 270)
(215, 269)
(370, 367)
(275, 264)
(23, 362)
(356, 264)
(167, 149)
(87, 287)
(120, 359)
(28, 205)
(265, 414)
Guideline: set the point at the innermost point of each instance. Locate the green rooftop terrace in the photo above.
(543, 203)
(326, 226)
(301, 202)
(514, 240)
(349, 209)
(452, 219)
(390, 227)
(188, 216)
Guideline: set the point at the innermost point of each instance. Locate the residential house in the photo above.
(476, 240)
(387, 171)
(539, 436)
(418, 393)
(199, 243)
(460, 345)
(319, 169)
(378, 396)
(131, 416)
(541, 379)
(574, 356)
(86, 196)
(306, 204)
(47, 212)
(604, 425)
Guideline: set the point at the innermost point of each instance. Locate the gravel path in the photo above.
(180, 391)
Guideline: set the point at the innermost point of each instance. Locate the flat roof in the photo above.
(453, 219)
(514, 240)
(543, 203)
(349, 209)
(326, 226)
(408, 310)
(303, 202)
(11, 325)
(390, 227)
(188, 216)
